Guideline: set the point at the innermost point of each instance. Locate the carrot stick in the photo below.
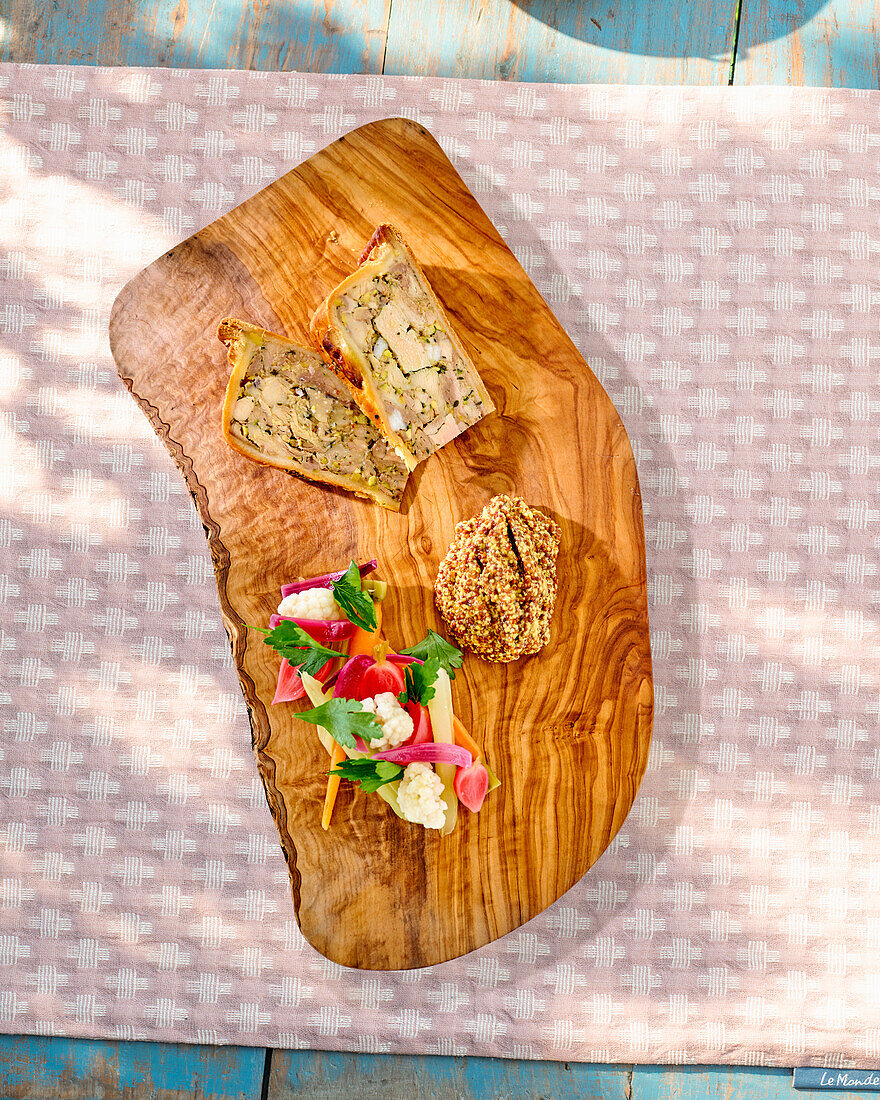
(464, 739)
(362, 641)
(336, 758)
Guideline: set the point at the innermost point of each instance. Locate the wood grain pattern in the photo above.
(604, 41)
(569, 730)
(809, 42)
(834, 44)
(327, 1075)
(717, 1083)
(545, 40)
(324, 1075)
(331, 36)
(41, 1068)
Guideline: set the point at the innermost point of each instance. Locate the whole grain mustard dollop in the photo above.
(496, 587)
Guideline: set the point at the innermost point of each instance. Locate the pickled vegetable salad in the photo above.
(385, 719)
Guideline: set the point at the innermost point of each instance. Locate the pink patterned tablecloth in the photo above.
(714, 254)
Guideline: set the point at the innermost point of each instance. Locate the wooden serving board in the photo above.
(568, 730)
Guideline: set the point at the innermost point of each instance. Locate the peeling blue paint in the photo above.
(97, 1070)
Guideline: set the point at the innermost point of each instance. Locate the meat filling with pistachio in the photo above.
(426, 386)
(291, 407)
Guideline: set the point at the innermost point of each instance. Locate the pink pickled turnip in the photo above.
(363, 676)
(428, 753)
(348, 681)
(471, 786)
(381, 676)
(326, 632)
(290, 686)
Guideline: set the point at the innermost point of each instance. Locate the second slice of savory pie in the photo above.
(387, 335)
(285, 407)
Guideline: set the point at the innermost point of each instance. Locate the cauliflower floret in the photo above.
(312, 603)
(397, 725)
(419, 796)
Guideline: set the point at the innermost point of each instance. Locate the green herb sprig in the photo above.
(344, 719)
(357, 604)
(371, 774)
(433, 647)
(298, 647)
(420, 680)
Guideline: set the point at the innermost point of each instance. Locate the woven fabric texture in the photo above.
(714, 255)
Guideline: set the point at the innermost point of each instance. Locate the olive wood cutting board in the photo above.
(568, 730)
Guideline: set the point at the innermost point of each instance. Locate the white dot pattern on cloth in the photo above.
(713, 253)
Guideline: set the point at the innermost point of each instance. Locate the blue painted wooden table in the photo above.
(834, 44)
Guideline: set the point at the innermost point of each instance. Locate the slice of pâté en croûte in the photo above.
(386, 334)
(285, 407)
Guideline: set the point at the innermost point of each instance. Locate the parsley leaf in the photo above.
(344, 719)
(298, 647)
(420, 681)
(433, 646)
(357, 604)
(371, 774)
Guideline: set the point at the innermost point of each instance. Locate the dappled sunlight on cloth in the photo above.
(712, 253)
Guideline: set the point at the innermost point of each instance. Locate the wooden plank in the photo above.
(605, 41)
(609, 41)
(321, 35)
(83, 1069)
(570, 777)
(322, 1075)
(809, 42)
(716, 1083)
